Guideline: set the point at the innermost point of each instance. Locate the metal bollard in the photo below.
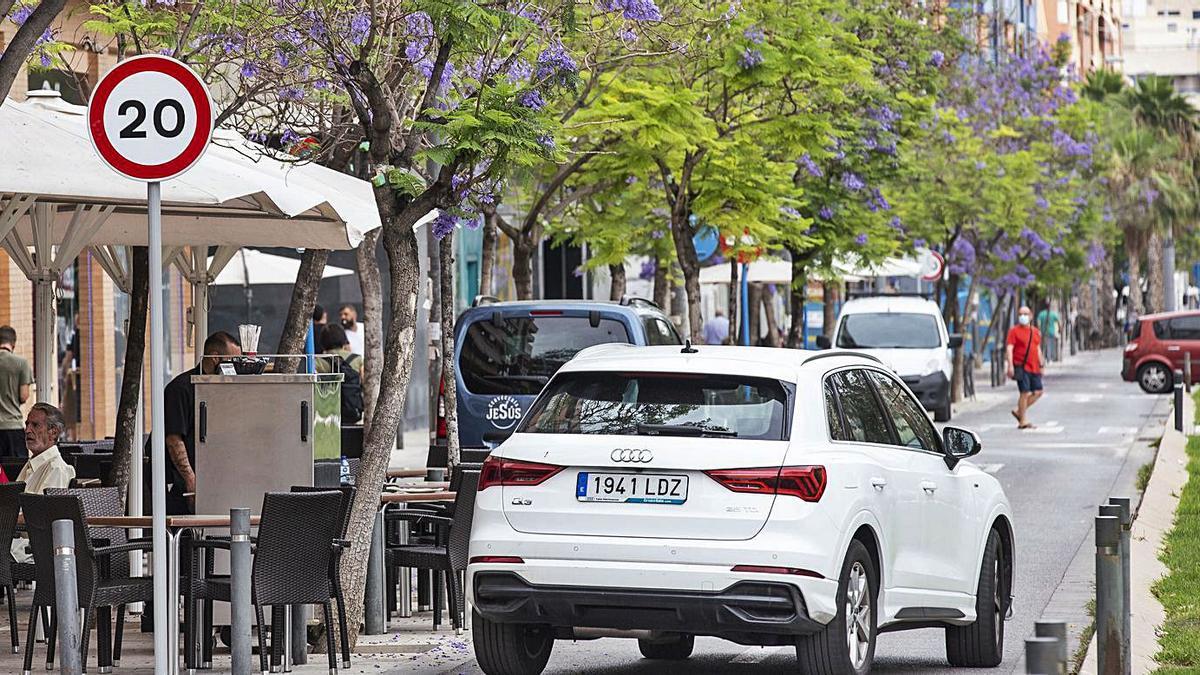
(1179, 400)
(1187, 371)
(375, 620)
(1058, 631)
(1125, 504)
(1110, 624)
(240, 647)
(66, 599)
(1041, 656)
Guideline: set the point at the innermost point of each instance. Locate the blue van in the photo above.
(505, 352)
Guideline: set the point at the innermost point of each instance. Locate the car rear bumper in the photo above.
(750, 612)
(932, 390)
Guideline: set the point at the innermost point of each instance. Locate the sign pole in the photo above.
(162, 647)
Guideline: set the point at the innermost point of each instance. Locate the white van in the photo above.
(908, 334)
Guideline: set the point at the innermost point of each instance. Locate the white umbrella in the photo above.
(251, 266)
(57, 198)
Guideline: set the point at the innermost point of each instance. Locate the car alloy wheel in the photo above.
(858, 616)
(1154, 378)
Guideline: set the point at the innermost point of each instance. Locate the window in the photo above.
(864, 419)
(660, 332)
(1161, 330)
(890, 330)
(834, 418)
(1172, 28)
(1185, 328)
(911, 423)
(518, 355)
(661, 403)
(1196, 13)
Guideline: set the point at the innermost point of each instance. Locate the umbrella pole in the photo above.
(200, 315)
(163, 654)
(47, 349)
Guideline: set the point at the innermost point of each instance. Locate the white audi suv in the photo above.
(763, 496)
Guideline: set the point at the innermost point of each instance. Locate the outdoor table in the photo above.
(406, 473)
(176, 525)
(375, 572)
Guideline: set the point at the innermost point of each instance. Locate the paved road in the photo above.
(1086, 448)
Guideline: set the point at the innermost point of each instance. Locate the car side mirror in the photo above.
(823, 342)
(956, 341)
(959, 444)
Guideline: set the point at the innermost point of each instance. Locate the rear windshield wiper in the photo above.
(684, 430)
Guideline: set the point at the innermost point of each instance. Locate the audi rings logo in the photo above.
(631, 455)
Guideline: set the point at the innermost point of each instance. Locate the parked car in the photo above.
(908, 334)
(1156, 348)
(764, 496)
(505, 352)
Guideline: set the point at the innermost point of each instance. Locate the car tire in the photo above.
(829, 652)
(509, 648)
(942, 412)
(981, 644)
(1155, 378)
(677, 649)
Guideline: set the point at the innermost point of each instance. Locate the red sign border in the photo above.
(941, 267)
(204, 124)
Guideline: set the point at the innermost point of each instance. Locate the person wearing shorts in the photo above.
(1023, 350)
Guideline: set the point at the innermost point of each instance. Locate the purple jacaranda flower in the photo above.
(360, 27)
(755, 34)
(547, 142)
(288, 137)
(443, 224)
(919, 243)
(21, 14)
(657, 234)
(291, 94)
(750, 58)
(649, 267)
(249, 70)
(630, 180)
(825, 213)
(519, 71)
(897, 224)
(789, 212)
(46, 60)
(937, 58)
(532, 99)
(852, 182)
(556, 64)
(634, 10)
(862, 239)
(901, 65)
(810, 166)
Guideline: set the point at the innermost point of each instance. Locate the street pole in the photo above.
(163, 652)
(1179, 400)
(1124, 504)
(1110, 624)
(239, 591)
(1041, 656)
(1056, 630)
(66, 597)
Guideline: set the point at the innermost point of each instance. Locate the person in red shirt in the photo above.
(1024, 357)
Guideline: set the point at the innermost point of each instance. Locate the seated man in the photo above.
(45, 468)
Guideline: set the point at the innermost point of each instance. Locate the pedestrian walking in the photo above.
(1023, 352)
(716, 329)
(1048, 322)
(15, 378)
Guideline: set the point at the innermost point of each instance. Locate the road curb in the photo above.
(1154, 517)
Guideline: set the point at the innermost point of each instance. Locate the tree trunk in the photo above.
(734, 295)
(446, 262)
(662, 283)
(797, 294)
(829, 296)
(1156, 302)
(372, 302)
(1134, 249)
(400, 242)
(21, 44)
(689, 264)
(299, 316)
(128, 438)
(768, 300)
(1107, 319)
(754, 294)
(487, 258)
(617, 290)
(522, 273)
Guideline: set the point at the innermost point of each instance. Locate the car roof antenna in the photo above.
(688, 348)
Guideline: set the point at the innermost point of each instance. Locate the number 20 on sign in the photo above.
(150, 118)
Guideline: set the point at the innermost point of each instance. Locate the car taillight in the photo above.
(805, 482)
(766, 569)
(496, 560)
(442, 433)
(499, 471)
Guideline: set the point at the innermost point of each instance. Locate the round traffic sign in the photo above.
(932, 265)
(150, 118)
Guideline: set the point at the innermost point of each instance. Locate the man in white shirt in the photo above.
(354, 330)
(45, 468)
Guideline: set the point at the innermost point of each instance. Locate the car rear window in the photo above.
(660, 332)
(889, 330)
(518, 355)
(661, 404)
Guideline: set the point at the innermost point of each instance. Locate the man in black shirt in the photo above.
(179, 403)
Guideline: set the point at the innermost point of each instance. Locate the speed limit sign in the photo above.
(150, 118)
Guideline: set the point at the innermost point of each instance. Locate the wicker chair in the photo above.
(105, 501)
(449, 555)
(292, 555)
(97, 595)
(10, 507)
(335, 563)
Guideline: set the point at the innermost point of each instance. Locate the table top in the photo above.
(172, 521)
(406, 473)
(405, 497)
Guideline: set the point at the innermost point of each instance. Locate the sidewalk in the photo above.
(1154, 517)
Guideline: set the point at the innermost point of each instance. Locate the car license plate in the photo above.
(631, 488)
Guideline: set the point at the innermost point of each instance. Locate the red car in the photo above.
(1157, 347)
